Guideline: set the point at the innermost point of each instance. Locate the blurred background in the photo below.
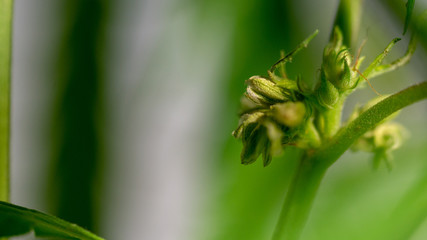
(122, 113)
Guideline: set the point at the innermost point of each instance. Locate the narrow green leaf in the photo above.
(6, 9)
(409, 7)
(289, 56)
(381, 69)
(17, 220)
(379, 59)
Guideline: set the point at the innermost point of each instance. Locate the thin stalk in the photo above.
(332, 119)
(299, 199)
(315, 163)
(345, 137)
(6, 8)
(348, 20)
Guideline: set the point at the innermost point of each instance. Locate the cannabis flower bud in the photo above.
(278, 111)
(270, 119)
(274, 114)
(263, 91)
(336, 74)
(383, 139)
(265, 131)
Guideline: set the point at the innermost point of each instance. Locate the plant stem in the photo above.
(345, 137)
(6, 8)
(332, 119)
(299, 199)
(348, 20)
(314, 163)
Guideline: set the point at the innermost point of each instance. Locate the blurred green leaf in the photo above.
(6, 15)
(422, 28)
(77, 140)
(348, 20)
(409, 7)
(17, 220)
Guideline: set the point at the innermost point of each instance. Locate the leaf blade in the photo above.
(17, 220)
(409, 9)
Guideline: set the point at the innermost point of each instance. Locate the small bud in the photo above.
(290, 114)
(343, 80)
(389, 136)
(256, 98)
(245, 120)
(264, 91)
(254, 140)
(327, 94)
(336, 64)
(337, 40)
(381, 141)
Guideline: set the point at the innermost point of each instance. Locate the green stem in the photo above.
(6, 8)
(348, 20)
(299, 199)
(315, 163)
(345, 137)
(332, 119)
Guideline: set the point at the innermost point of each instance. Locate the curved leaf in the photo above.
(409, 7)
(17, 220)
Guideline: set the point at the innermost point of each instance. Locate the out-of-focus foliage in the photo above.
(409, 9)
(78, 122)
(16, 220)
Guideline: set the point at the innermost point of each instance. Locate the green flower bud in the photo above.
(327, 94)
(336, 64)
(245, 121)
(258, 138)
(256, 97)
(389, 136)
(343, 80)
(290, 114)
(264, 91)
(254, 140)
(381, 141)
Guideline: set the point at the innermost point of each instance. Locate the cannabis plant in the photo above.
(279, 111)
